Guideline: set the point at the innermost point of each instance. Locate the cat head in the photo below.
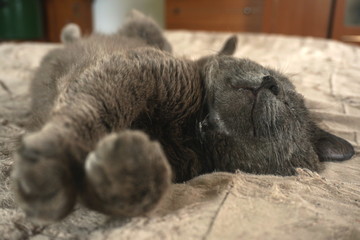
(254, 120)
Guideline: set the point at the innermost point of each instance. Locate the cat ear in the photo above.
(228, 49)
(229, 46)
(206, 62)
(332, 148)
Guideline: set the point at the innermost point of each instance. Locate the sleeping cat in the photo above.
(117, 118)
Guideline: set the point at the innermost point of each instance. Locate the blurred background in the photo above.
(42, 20)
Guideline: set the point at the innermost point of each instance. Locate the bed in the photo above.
(217, 205)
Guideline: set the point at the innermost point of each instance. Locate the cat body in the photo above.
(116, 119)
(100, 107)
(127, 84)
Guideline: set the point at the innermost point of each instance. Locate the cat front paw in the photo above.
(127, 175)
(43, 185)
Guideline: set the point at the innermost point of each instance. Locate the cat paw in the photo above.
(127, 175)
(42, 185)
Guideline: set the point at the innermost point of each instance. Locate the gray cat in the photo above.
(117, 118)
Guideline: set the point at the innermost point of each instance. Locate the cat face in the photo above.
(255, 121)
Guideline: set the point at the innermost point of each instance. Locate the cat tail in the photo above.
(70, 33)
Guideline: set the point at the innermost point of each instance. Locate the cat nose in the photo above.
(209, 123)
(270, 83)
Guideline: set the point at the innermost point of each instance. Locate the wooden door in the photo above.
(345, 28)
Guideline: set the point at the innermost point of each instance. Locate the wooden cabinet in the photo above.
(216, 15)
(293, 17)
(59, 13)
(316, 18)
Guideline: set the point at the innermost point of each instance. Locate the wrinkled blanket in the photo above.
(217, 205)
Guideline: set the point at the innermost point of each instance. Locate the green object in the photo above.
(21, 20)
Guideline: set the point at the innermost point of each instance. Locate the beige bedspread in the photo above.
(218, 205)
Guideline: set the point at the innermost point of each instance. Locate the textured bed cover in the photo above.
(218, 205)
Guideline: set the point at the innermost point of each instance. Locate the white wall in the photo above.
(109, 15)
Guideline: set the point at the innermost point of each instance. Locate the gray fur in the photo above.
(141, 26)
